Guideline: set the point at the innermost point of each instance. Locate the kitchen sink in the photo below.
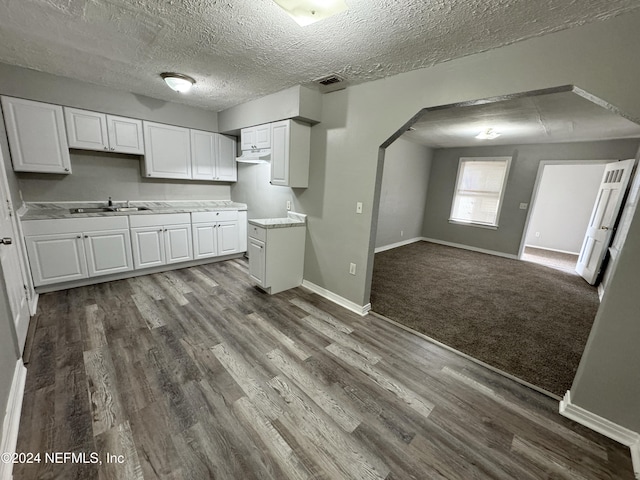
(107, 209)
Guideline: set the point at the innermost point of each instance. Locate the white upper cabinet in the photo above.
(226, 165)
(37, 137)
(257, 137)
(290, 152)
(167, 151)
(125, 135)
(213, 157)
(97, 131)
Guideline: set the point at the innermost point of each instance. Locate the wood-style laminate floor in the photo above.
(195, 374)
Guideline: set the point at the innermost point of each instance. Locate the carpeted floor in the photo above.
(560, 261)
(528, 320)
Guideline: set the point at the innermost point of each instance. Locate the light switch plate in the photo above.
(359, 207)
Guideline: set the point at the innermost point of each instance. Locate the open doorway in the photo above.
(562, 202)
(519, 323)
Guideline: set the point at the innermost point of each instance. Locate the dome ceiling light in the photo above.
(488, 134)
(306, 12)
(178, 82)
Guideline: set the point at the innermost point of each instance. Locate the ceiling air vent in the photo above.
(331, 83)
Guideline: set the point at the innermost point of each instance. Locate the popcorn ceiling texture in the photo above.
(241, 50)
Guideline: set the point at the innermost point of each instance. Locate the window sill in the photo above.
(471, 224)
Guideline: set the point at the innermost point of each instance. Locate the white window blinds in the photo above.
(479, 190)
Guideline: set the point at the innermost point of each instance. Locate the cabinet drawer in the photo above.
(214, 216)
(68, 225)
(258, 232)
(159, 219)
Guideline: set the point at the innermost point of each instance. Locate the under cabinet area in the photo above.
(161, 239)
(64, 250)
(37, 137)
(98, 131)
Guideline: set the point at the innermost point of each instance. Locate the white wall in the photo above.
(563, 206)
(404, 192)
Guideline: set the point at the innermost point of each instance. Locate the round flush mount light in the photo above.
(488, 134)
(177, 81)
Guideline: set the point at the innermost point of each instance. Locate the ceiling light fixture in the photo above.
(306, 12)
(177, 81)
(488, 134)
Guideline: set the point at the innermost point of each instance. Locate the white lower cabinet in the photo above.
(276, 256)
(216, 233)
(161, 239)
(65, 250)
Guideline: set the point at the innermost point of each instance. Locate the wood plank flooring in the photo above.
(196, 374)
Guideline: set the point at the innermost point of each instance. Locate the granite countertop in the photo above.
(52, 210)
(291, 220)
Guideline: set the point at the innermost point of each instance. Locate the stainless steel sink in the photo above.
(107, 209)
(129, 209)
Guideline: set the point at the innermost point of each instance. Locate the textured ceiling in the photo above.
(552, 118)
(240, 50)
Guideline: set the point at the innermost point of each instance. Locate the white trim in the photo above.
(600, 291)
(335, 298)
(397, 244)
(606, 427)
(12, 418)
(469, 247)
(552, 249)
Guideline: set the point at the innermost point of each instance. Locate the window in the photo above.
(479, 190)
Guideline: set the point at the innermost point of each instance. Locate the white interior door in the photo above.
(10, 264)
(603, 217)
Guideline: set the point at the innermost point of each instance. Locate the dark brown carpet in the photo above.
(528, 320)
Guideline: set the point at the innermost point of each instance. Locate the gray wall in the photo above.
(563, 206)
(404, 192)
(522, 175)
(97, 175)
(263, 199)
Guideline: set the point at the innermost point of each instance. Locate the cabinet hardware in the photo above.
(6, 241)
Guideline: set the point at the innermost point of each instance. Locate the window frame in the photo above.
(503, 188)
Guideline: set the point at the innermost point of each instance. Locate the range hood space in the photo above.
(255, 156)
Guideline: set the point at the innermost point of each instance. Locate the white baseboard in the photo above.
(33, 304)
(12, 418)
(397, 244)
(469, 247)
(343, 302)
(606, 427)
(553, 249)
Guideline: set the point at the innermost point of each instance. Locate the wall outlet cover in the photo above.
(352, 268)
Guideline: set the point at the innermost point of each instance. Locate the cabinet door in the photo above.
(125, 135)
(86, 130)
(108, 252)
(228, 238)
(178, 243)
(205, 241)
(263, 136)
(56, 258)
(280, 153)
(167, 151)
(148, 246)
(37, 136)
(226, 167)
(248, 138)
(257, 265)
(203, 155)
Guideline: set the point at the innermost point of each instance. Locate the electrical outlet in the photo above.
(523, 206)
(352, 268)
(288, 205)
(402, 233)
(537, 234)
(359, 207)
